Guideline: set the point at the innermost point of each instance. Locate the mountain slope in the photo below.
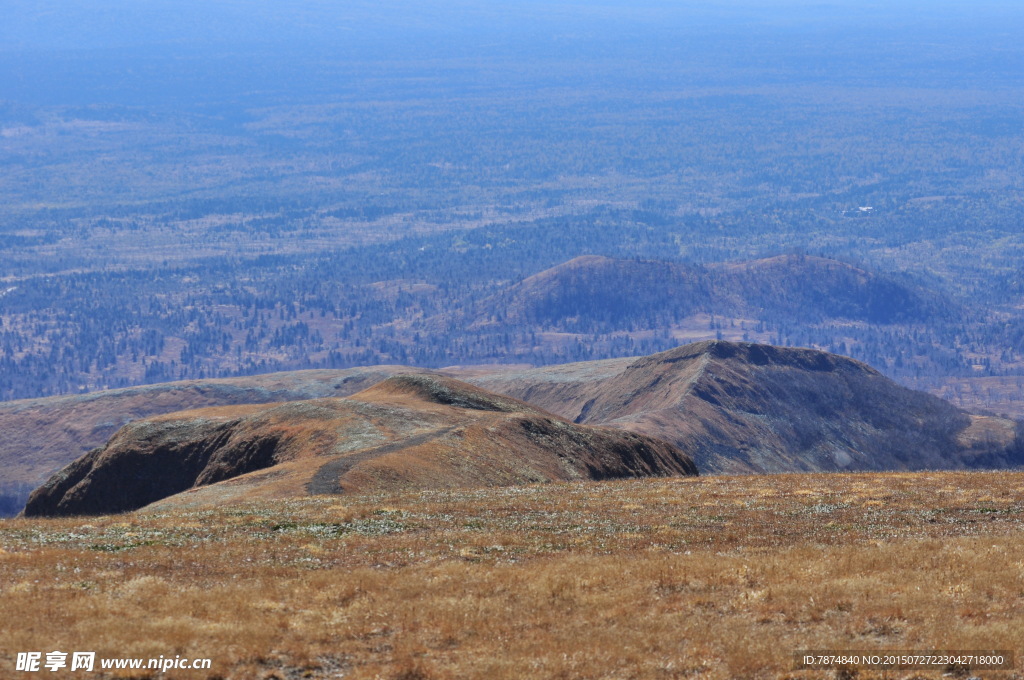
(733, 407)
(741, 407)
(811, 289)
(408, 432)
(600, 294)
(43, 435)
(593, 292)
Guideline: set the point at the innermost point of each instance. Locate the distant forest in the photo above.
(443, 299)
(199, 209)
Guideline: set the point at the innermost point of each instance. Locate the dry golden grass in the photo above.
(710, 578)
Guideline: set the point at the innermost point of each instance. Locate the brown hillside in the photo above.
(773, 417)
(740, 407)
(409, 432)
(43, 435)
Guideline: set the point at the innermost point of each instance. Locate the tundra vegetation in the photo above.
(270, 188)
(719, 577)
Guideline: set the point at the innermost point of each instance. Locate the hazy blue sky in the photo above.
(52, 47)
(75, 24)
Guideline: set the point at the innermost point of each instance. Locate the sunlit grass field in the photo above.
(717, 577)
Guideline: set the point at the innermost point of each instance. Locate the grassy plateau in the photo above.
(711, 578)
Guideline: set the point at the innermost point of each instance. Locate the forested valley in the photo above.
(225, 208)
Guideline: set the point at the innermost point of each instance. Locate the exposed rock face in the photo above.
(408, 432)
(741, 407)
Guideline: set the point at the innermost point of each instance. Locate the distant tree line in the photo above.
(465, 297)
